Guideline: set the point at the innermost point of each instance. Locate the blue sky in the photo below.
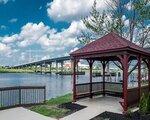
(32, 30)
(24, 11)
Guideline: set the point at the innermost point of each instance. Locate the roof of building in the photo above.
(109, 42)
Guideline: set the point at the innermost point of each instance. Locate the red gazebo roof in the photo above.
(109, 43)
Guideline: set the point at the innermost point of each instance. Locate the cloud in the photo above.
(40, 7)
(69, 10)
(3, 27)
(47, 38)
(5, 50)
(74, 49)
(5, 1)
(10, 39)
(13, 20)
(31, 33)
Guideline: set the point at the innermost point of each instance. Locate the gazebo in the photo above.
(112, 47)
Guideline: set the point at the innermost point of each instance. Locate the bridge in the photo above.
(45, 64)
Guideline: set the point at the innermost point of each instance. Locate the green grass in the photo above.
(50, 108)
(59, 100)
(50, 111)
(4, 70)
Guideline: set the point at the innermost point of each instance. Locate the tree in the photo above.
(128, 19)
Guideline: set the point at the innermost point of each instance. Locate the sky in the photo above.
(32, 30)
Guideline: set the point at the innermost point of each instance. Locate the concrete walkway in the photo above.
(95, 107)
(21, 113)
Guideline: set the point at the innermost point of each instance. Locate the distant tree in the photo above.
(129, 20)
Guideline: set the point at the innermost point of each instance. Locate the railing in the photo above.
(133, 98)
(21, 96)
(111, 88)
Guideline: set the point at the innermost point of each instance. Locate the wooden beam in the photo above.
(139, 76)
(117, 65)
(133, 69)
(149, 73)
(74, 80)
(147, 61)
(104, 67)
(124, 59)
(90, 65)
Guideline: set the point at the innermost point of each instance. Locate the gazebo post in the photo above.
(104, 67)
(77, 67)
(124, 61)
(90, 65)
(147, 61)
(149, 72)
(74, 80)
(139, 76)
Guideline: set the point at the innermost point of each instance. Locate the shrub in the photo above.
(129, 113)
(148, 104)
(143, 104)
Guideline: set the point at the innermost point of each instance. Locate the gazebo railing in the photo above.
(133, 97)
(21, 96)
(111, 88)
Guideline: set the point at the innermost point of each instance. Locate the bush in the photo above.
(148, 104)
(143, 104)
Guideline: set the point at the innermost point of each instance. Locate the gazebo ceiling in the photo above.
(109, 45)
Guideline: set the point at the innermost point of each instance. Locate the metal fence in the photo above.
(21, 96)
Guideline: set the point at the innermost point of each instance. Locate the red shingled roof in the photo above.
(109, 42)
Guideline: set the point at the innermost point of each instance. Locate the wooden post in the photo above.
(71, 67)
(19, 96)
(44, 94)
(139, 77)
(104, 67)
(149, 73)
(77, 67)
(74, 80)
(124, 61)
(90, 65)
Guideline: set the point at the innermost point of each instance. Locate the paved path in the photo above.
(21, 113)
(95, 107)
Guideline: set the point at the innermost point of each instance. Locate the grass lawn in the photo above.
(4, 70)
(51, 108)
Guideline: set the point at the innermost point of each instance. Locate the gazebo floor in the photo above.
(96, 106)
(107, 103)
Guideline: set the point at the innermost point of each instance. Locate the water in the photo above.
(56, 85)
